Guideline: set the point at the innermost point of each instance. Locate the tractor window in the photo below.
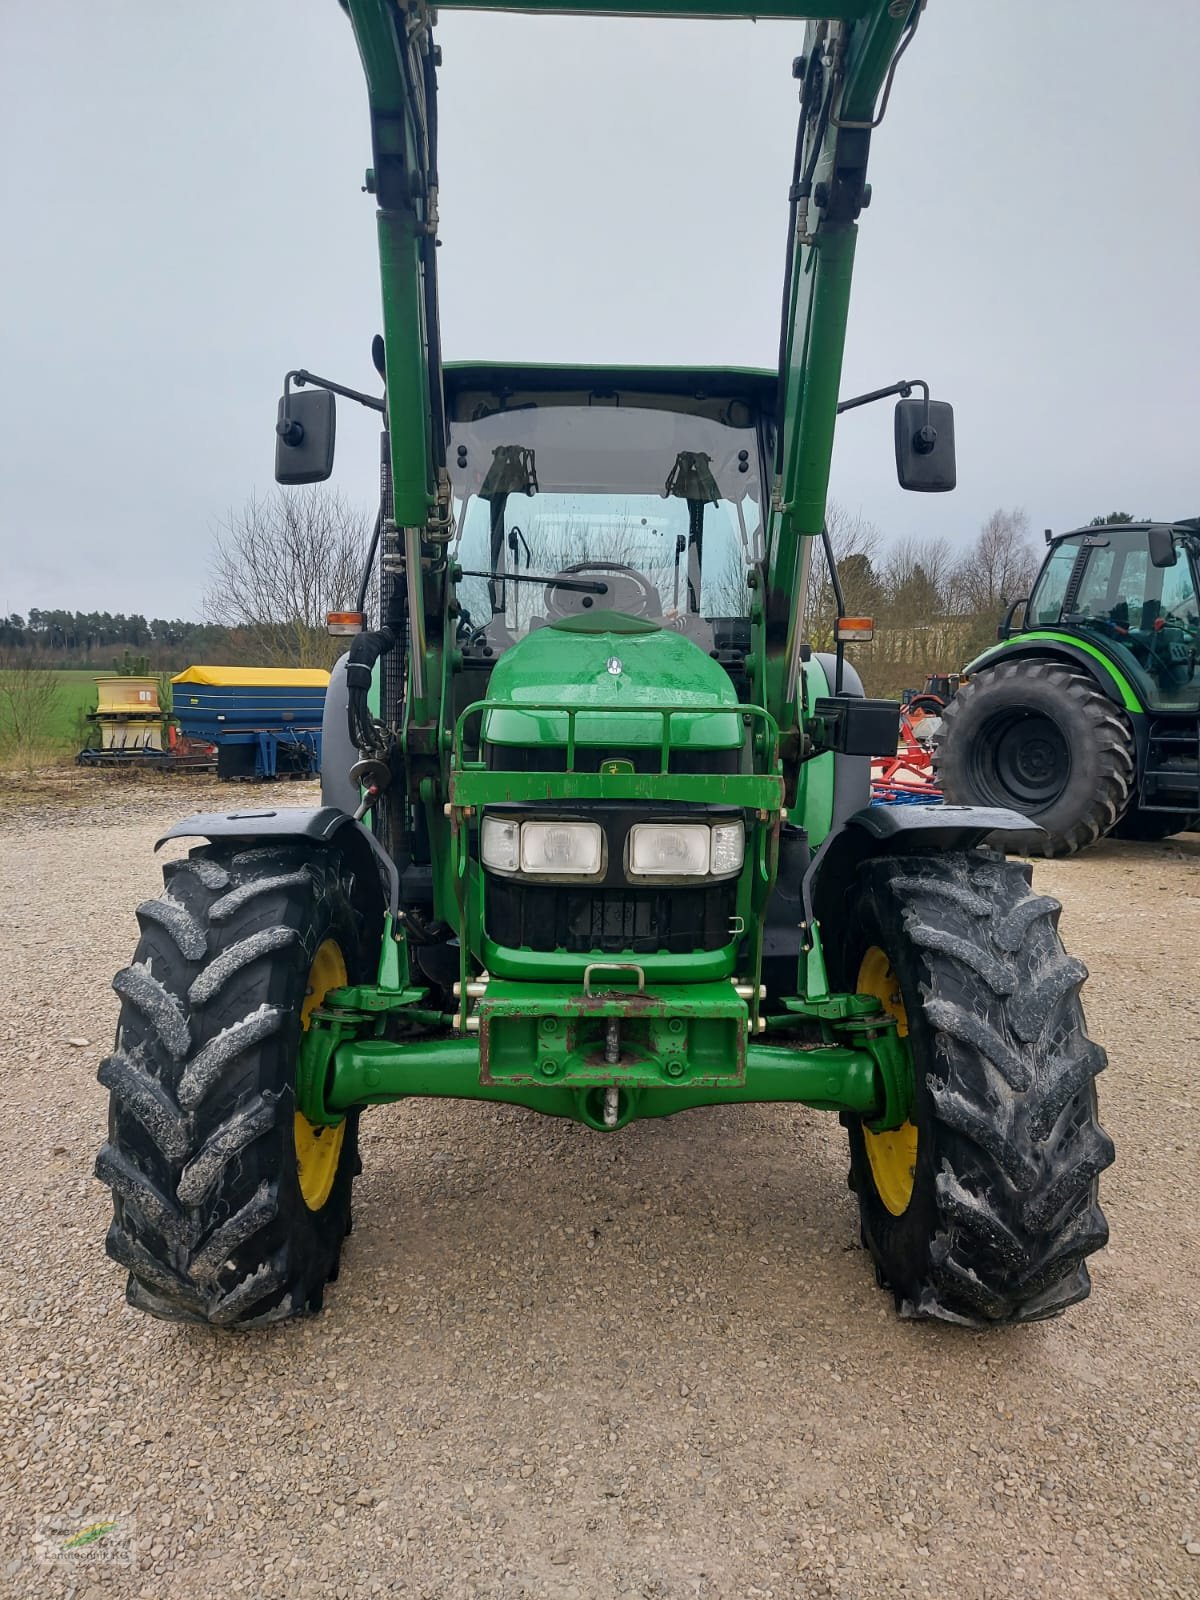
(1092, 599)
(1179, 600)
(1131, 596)
(1045, 608)
(1145, 616)
(652, 513)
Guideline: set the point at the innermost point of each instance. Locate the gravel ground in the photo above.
(560, 1364)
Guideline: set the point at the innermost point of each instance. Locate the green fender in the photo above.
(814, 792)
(1111, 679)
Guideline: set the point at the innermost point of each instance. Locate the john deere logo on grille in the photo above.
(616, 666)
(611, 768)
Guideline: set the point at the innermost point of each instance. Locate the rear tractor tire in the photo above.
(982, 1208)
(1040, 738)
(229, 1207)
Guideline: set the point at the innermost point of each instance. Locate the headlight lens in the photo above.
(548, 849)
(566, 849)
(686, 849)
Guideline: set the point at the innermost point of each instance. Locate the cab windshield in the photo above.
(1148, 617)
(560, 510)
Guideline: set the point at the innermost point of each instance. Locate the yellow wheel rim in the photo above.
(319, 1148)
(892, 1155)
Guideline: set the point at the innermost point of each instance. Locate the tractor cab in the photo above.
(1132, 591)
(577, 492)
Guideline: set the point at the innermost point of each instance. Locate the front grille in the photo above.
(590, 758)
(675, 919)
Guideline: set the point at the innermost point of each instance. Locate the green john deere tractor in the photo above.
(595, 835)
(1086, 717)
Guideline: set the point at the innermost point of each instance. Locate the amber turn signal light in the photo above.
(855, 630)
(339, 622)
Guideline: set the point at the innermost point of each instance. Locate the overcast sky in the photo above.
(182, 221)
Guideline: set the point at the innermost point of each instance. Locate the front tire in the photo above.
(228, 1206)
(982, 1208)
(1040, 738)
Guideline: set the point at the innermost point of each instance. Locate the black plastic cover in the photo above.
(857, 727)
(941, 826)
(294, 822)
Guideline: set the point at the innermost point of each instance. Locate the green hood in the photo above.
(612, 665)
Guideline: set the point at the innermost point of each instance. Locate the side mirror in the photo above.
(925, 445)
(304, 436)
(1160, 541)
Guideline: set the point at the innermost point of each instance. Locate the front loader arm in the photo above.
(851, 49)
(847, 69)
(399, 60)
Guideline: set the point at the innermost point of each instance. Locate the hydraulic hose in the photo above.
(365, 652)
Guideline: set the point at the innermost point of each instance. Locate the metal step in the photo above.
(1175, 788)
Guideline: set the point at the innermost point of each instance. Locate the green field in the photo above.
(75, 694)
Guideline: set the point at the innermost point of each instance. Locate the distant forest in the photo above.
(103, 640)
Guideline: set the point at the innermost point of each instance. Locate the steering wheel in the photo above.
(1172, 669)
(628, 591)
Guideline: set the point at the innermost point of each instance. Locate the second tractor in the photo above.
(1085, 717)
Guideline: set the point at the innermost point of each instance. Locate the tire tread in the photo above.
(1009, 1074)
(208, 1218)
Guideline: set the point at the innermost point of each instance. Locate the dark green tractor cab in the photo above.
(1086, 716)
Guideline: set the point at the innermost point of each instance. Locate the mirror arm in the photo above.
(926, 436)
(291, 431)
(904, 389)
(302, 377)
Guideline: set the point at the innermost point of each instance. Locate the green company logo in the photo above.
(89, 1535)
(108, 1541)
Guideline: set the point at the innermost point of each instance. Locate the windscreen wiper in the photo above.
(580, 585)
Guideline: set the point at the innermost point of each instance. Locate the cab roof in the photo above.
(1189, 525)
(756, 387)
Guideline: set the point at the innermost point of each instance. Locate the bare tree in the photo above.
(916, 576)
(29, 698)
(280, 565)
(999, 568)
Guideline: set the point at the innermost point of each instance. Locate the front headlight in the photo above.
(685, 849)
(566, 849)
(543, 849)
